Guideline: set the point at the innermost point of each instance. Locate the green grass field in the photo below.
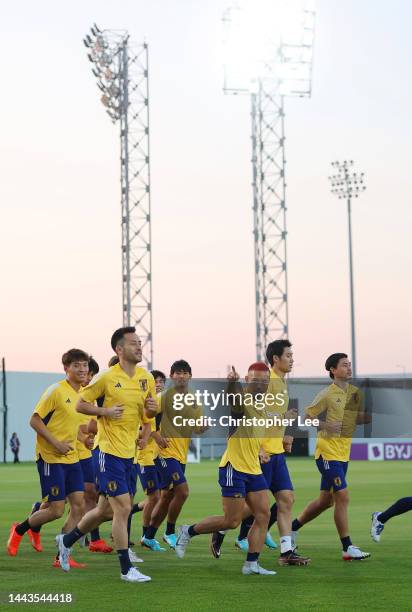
(199, 582)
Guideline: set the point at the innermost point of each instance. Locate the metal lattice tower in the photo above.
(121, 69)
(287, 73)
(269, 212)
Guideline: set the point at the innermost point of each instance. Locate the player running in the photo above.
(240, 474)
(273, 463)
(129, 400)
(379, 519)
(56, 423)
(340, 409)
(173, 446)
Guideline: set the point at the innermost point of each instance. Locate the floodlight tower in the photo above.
(269, 48)
(347, 185)
(121, 70)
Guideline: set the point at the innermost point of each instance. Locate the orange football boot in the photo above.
(14, 540)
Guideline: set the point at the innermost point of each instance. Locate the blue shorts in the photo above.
(238, 484)
(149, 478)
(134, 473)
(95, 457)
(115, 474)
(58, 480)
(333, 474)
(276, 474)
(87, 466)
(171, 473)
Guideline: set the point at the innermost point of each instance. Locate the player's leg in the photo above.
(232, 515)
(337, 482)
(173, 474)
(34, 532)
(258, 502)
(380, 518)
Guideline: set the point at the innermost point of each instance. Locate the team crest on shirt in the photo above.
(55, 491)
(337, 481)
(175, 476)
(112, 486)
(143, 384)
(355, 397)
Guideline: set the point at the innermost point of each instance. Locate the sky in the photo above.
(60, 193)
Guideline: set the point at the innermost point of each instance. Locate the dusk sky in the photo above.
(60, 191)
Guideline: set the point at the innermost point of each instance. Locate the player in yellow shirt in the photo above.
(129, 401)
(279, 355)
(240, 474)
(339, 409)
(173, 445)
(56, 423)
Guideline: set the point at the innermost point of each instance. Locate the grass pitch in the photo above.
(199, 582)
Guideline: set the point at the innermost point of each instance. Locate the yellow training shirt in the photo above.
(151, 450)
(178, 437)
(245, 440)
(118, 436)
(276, 405)
(334, 404)
(57, 409)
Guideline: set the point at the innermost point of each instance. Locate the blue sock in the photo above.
(72, 537)
(252, 556)
(191, 531)
(150, 532)
(245, 525)
(129, 527)
(95, 534)
(296, 525)
(399, 507)
(273, 515)
(124, 559)
(346, 542)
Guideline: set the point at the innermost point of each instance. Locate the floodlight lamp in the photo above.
(91, 59)
(97, 29)
(265, 39)
(94, 32)
(86, 43)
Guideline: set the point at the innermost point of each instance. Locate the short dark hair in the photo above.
(180, 366)
(276, 348)
(333, 360)
(113, 361)
(73, 355)
(119, 334)
(93, 366)
(158, 374)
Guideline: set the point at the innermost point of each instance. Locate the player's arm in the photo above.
(144, 435)
(86, 403)
(159, 439)
(45, 408)
(234, 393)
(363, 417)
(151, 404)
(318, 411)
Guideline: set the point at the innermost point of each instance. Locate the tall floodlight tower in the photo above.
(121, 71)
(268, 47)
(347, 185)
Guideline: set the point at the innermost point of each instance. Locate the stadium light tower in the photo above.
(268, 51)
(121, 71)
(347, 185)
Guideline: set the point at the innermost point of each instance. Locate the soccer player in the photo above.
(240, 474)
(272, 455)
(129, 400)
(56, 423)
(379, 519)
(173, 449)
(85, 445)
(340, 409)
(160, 380)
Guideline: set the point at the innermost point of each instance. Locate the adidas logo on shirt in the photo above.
(68, 401)
(118, 386)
